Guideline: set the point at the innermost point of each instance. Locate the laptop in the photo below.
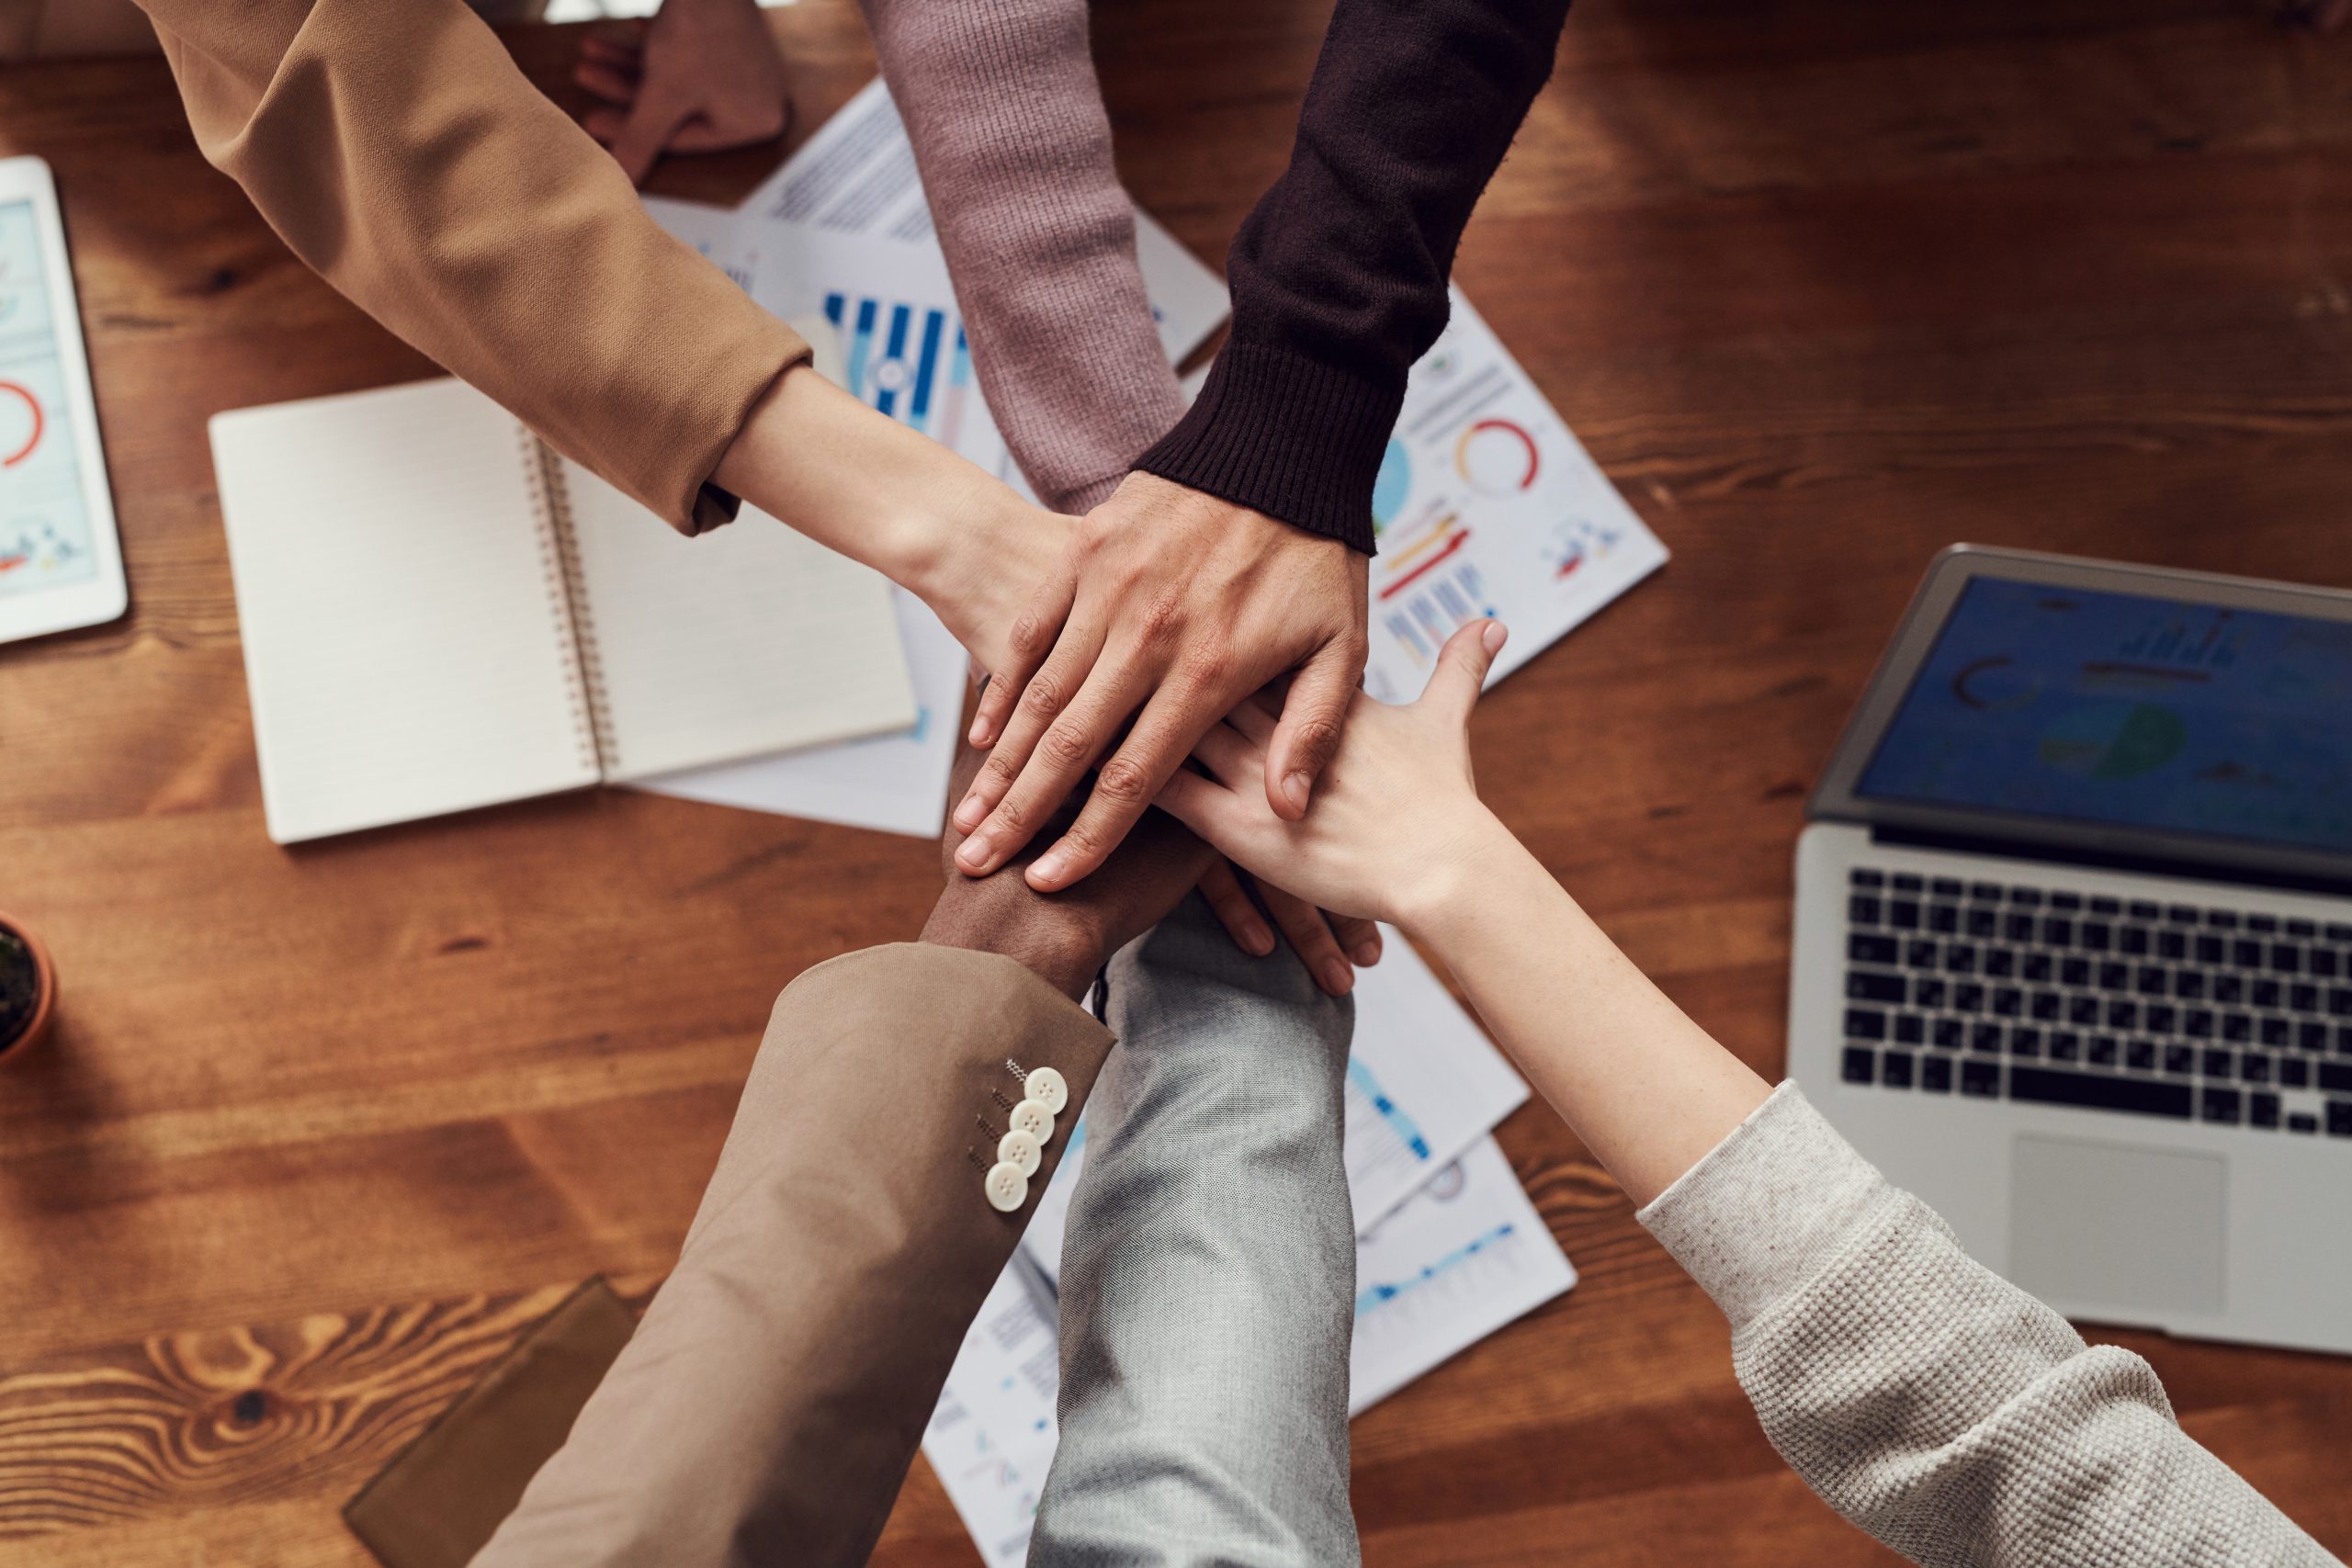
(2073, 957)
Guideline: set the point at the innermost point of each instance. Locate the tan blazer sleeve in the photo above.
(398, 150)
(773, 1398)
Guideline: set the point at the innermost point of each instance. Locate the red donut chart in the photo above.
(1506, 428)
(39, 423)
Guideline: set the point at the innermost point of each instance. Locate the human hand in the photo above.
(1397, 813)
(1169, 608)
(1325, 942)
(1068, 937)
(700, 77)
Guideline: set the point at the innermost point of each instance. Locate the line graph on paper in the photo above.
(1380, 1135)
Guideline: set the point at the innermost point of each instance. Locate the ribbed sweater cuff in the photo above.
(1282, 434)
(1763, 1211)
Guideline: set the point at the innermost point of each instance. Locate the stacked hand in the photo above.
(700, 76)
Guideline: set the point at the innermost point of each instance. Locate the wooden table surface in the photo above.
(1824, 285)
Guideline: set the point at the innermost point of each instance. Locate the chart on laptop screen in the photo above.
(44, 517)
(2140, 712)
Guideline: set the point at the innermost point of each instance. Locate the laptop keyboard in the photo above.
(2002, 992)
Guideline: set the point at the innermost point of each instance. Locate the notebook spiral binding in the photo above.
(567, 599)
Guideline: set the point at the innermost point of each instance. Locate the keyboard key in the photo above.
(2188, 985)
(2000, 963)
(2229, 989)
(2179, 915)
(2026, 897)
(2018, 927)
(2209, 950)
(2339, 932)
(2273, 1032)
(1865, 1023)
(2075, 971)
(2142, 910)
(2218, 1063)
(2265, 923)
(2007, 1001)
(2066, 1046)
(2304, 928)
(2253, 1067)
(2114, 976)
(2131, 941)
(2294, 1073)
(2247, 954)
(1862, 909)
(2171, 945)
(1875, 986)
(2025, 1042)
(2262, 1111)
(1935, 1074)
(2082, 1009)
(2160, 1018)
(1864, 947)
(1908, 882)
(2237, 1027)
(2179, 1059)
(1968, 997)
(1960, 958)
(2141, 1056)
(2104, 905)
(2286, 959)
(2343, 1039)
(1988, 891)
(2264, 993)
(1985, 1037)
(1863, 878)
(1894, 1069)
(2218, 1105)
(2122, 1015)
(2310, 1036)
(1979, 921)
(2340, 1000)
(2221, 920)
(2339, 1118)
(2303, 997)
(1910, 1029)
(1902, 914)
(1862, 1064)
(2066, 900)
(2197, 1023)
(2148, 1096)
(2103, 1049)
(2046, 1006)
(2303, 1121)
(1981, 1078)
(2036, 968)
(2150, 979)
(1920, 952)
(2097, 936)
(1930, 992)
(1945, 887)
(2325, 964)
(2336, 1077)
(1943, 918)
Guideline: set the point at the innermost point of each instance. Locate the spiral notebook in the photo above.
(439, 612)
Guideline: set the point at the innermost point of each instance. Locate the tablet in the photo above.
(61, 564)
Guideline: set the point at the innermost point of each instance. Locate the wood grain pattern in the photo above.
(1824, 285)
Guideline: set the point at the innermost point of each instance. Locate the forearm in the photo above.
(861, 483)
(1648, 1091)
(1002, 109)
(399, 151)
(1338, 274)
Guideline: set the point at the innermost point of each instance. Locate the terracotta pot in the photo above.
(21, 1030)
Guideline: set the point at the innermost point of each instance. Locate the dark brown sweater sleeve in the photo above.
(1338, 275)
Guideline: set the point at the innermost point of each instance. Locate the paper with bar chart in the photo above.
(45, 539)
(1486, 504)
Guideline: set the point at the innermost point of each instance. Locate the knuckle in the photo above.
(1013, 816)
(1045, 696)
(1318, 738)
(1161, 619)
(1084, 841)
(1065, 743)
(1206, 669)
(1122, 782)
(1000, 771)
(1031, 634)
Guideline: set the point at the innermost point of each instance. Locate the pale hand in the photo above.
(1169, 608)
(1397, 814)
(701, 76)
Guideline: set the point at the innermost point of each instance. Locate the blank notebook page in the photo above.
(747, 639)
(405, 646)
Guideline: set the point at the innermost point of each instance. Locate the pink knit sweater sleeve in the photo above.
(1006, 116)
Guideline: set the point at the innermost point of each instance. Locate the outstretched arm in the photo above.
(1939, 1407)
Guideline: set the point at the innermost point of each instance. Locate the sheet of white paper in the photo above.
(991, 1435)
(1466, 1254)
(1486, 505)
(1424, 1083)
(857, 176)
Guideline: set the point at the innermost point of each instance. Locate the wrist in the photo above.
(1053, 951)
(1455, 881)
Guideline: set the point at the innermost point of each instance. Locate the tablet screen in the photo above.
(2092, 707)
(44, 514)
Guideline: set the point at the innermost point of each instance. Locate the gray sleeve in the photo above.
(1208, 1277)
(1943, 1410)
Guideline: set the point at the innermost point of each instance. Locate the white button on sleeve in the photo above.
(1048, 1088)
(1018, 1147)
(1035, 1120)
(1007, 1188)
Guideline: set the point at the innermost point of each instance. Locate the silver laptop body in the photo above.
(2073, 957)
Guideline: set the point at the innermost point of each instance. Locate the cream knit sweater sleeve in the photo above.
(1943, 1410)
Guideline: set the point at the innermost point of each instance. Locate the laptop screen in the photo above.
(2089, 705)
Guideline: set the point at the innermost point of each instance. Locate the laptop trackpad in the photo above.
(2093, 1224)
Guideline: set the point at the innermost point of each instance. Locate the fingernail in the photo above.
(1259, 940)
(1492, 637)
(1338, 978)
(1295, 789)
(980, 730)
(974, 855)
(1367, 953)
(1049, 867)
(968, 815)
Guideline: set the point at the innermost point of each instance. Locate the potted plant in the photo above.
(27, 988)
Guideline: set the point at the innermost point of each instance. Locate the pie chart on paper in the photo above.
(21, 424)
